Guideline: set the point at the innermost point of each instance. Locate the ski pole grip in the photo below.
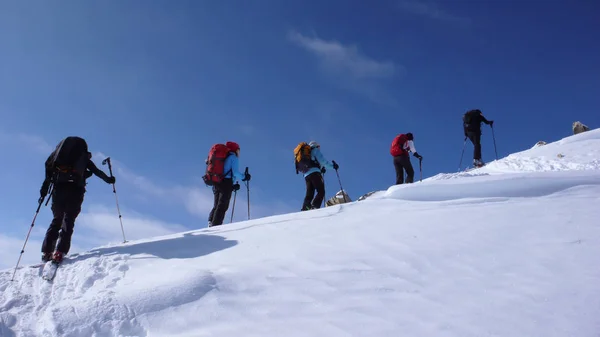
(104, 162)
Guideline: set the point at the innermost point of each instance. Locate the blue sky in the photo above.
(154, 84)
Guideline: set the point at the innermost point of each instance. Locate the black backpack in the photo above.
(469, 117)
(69, 161)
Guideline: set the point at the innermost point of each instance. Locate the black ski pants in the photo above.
(475, 138)
(401, 164)
(222, 195)
(66, 206)
(314, 181)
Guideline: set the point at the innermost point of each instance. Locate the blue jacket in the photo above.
(230, 166)
(315, 154)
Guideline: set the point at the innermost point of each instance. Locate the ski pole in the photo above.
(49, 193)
(462, 154)
(233, 208)
(420, 170)
(340, 181)
(248, 192)
(40, 202)
(494, 137)
(104, 162)
(323, 181)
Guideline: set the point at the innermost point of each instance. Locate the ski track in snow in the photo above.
(509, 249)
(78, 302)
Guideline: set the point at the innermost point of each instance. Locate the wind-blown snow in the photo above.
(510, 249)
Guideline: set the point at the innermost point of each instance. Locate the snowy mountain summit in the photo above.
(510, 249)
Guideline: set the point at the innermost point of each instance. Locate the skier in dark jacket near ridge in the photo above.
(472, 129)
(67, 198)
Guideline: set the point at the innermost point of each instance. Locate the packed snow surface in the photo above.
(510, 249)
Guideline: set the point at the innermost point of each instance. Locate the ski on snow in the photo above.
(49, 270)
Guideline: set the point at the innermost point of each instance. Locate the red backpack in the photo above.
(215, 164)
(397, 147)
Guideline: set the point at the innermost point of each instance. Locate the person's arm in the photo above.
(321, 159)
(236, 175)
(412, 148)
(95, 170)
(483, 119)
(47, 177)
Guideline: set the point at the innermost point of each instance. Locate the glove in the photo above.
(111, 180)
(323, 170)
(491, 123)
(418, 156)
(246, 177)
(236, 187)
(44, 190)
(335, 165)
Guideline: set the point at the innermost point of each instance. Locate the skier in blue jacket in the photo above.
(314, 177)
(223, 190)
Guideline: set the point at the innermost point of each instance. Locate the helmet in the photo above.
(232, 146)
(314, 144)
(409, 136)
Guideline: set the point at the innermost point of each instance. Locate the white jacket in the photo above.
(409, 146)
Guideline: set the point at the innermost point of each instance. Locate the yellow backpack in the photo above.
(302, 158)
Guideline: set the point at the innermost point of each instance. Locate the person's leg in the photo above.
(407, 165)
(58, 213)
(475, 138)
(211, 215)
(319, 184)
(399, 170)
(310, 193)
(225, 189)
(72, 210)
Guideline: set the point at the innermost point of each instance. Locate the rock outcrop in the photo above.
(538, 144)
(340, 197)
(579, 127)
(365, 196)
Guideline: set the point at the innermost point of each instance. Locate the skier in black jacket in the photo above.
(67, 195)
(472, 120)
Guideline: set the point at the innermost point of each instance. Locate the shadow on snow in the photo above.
(186, 246)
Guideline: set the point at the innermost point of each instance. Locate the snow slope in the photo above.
(506, 250)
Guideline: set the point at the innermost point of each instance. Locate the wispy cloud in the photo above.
(100, 225)
(195, 200)
(349, 68)
(431, 10)
(10, 247)
(335, 56)
(22, 140)
(247, 129)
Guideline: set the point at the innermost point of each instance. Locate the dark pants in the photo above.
(66, 206)
(401, 164)
(475, 138)
(222, 194)
(314, 181)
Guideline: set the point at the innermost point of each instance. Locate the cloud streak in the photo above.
(431, 10)
(100, 225)
(350, 69)
(32, 142)
(346, 59)
(196, 201)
